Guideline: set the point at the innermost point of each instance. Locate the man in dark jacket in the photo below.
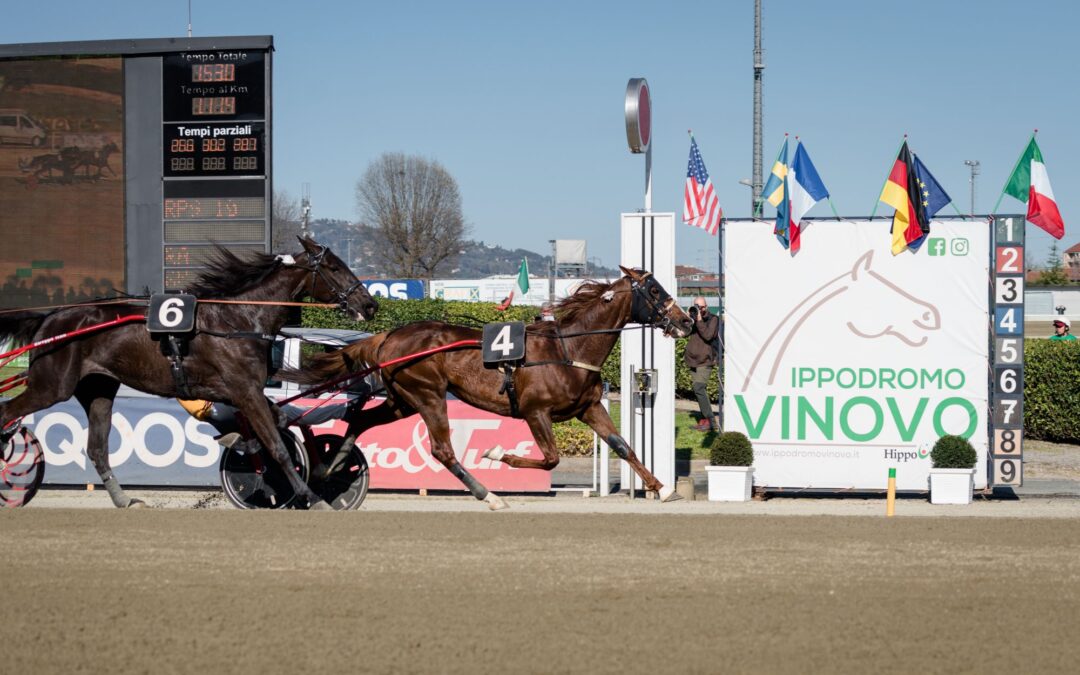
(701, 357)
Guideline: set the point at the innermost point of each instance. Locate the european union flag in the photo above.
(934, 198)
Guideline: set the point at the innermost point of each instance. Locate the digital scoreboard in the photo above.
(124, 162)
(214, 152)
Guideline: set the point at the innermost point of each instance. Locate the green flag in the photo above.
(523, 277)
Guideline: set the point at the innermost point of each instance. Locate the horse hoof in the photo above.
(320, 506)
(668, 494)
(136, 504)
(495, 454)
(495, 502)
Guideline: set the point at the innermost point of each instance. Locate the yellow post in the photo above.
(890, 502)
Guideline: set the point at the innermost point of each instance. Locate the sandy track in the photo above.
(228, 591)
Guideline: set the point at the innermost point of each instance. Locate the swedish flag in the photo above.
(775, 192)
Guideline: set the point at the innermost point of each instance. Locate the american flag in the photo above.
(701, 208)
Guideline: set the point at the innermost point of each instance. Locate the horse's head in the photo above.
(910, 318)
(651, 305)
(331, 280)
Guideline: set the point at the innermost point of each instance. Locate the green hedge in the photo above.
(1052, 390)
(1051, 371)
(394, 313)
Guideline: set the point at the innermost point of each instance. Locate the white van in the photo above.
(18, 127)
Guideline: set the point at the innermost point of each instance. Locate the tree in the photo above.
(1054, 273)
(415, 208)
(284, 222)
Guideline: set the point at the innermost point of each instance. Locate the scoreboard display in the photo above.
(156, 151)
(214, 151)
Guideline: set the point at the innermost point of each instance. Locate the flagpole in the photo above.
(761, 202)
(1018, 160)
(883, 183)
(831, 206)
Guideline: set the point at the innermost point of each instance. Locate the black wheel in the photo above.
(341, 482)
(22, 468)
(256, 481)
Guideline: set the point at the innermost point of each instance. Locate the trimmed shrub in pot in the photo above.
(731, 476)
(731, 448)
(952, 480)
(953, 452)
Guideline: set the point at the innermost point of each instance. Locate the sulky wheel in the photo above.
(256, 481)
(341, 481)
(22, 468)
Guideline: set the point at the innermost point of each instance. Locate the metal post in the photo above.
(720, 327)
(759, 68)
(973, 164)
(648, 179)
(603, 452)
(629, 410)
(552, 271)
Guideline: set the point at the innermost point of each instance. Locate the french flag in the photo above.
(804, 190)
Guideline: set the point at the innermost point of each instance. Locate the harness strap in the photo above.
(508, 389)
(585, 366)
(240, 335)
(565, 362)
(174, 351)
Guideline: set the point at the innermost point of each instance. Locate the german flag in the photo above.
(902, 192)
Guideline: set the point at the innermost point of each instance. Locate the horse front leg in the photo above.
(597, 418)
(256, 409)
(540, 426)
(96, 394)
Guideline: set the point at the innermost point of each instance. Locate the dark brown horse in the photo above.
(226, 361)
(560, 379)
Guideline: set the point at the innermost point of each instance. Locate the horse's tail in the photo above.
(323, 367)
(19, 327)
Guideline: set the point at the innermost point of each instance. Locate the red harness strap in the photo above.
(8, 357)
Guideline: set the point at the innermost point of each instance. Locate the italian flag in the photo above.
(522, 284)
(1029, 183)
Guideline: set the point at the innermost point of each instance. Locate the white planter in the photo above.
(730, 483)
(951, 486)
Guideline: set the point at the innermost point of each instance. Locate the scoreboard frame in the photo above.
(173, 218)
(1006, 465)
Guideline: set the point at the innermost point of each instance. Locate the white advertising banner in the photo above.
(843, 360)
(497, 289)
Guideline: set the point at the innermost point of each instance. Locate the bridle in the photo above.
(340, 295)
(646, 311)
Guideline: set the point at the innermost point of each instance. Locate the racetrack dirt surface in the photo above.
(167, 591)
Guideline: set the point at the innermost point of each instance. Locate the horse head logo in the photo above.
(910, 318)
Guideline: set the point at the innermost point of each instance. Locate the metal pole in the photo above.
(720, 327)
(759, 67)
(552, 272)
(648, 179)
(973, 164)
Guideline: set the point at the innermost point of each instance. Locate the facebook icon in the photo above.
(937, 246)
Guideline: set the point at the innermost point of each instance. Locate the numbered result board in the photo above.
(1007, 386)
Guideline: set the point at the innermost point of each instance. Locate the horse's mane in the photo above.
(583, 300)
(229, 274)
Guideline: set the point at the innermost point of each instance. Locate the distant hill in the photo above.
(477, 259)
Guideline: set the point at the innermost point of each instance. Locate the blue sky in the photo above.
(522, 102)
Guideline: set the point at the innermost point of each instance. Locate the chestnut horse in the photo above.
(226, 359)
(560, 379)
